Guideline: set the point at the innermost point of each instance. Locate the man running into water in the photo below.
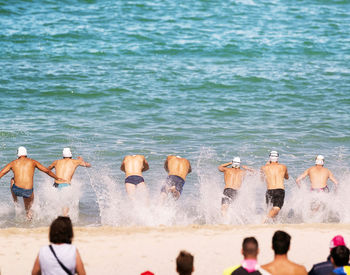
(178, 168)
(65, 169)
(133, 166)
(318, 175)
(22, 183)
(233, 181)
(274, 174)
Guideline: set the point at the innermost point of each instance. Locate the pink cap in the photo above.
(147, 273)
(336, 241)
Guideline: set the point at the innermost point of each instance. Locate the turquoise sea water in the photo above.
(207, 80)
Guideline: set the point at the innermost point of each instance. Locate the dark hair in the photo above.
(340, 255)
(184, 263)
(250, 247)
(61, 230)
(280, 242)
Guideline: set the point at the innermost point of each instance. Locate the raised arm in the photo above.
(82, 162)
(302, 176)
(248, 168)
(45, 170)
(222, 167)
(145, 165)
(5, 170)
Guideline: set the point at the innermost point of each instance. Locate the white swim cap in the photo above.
(21, 151)
(319, 160)
(236, 162)
(274, 156)
(67, 153)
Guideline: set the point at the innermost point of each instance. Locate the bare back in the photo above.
(177, 166)
(275, 173)
(65, 168)
(233, 177)
(319, 176)
(134, 165)
(23, 171)
(284, 267)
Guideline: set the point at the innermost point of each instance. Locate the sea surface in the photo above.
(204, 79)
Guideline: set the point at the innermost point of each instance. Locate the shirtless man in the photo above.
(281, 265)
(233, 181)
(274, 174)
(178, 168)
(318, 175)
(65, 169)
(22, 183)
(133, 166)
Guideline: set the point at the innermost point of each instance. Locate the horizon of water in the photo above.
(206, 80)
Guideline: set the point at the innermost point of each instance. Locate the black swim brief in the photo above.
(276, 197)
(134, 179)
(173, 180)
(21, 192)
(229, 196)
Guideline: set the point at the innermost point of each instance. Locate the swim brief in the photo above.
(324, 189)
(229, 196)
(61, 185)
(173, 180)
(21, 192)
(134, 179)
(276, 197)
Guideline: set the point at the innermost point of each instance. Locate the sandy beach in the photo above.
(111, 250)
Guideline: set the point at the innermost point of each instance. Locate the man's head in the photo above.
(236, 162)
(280, 242)
(21, 151)
(319, 160)
(67, 153)
(340, 255)
(184, 263)
(274, 156)
(250, 248)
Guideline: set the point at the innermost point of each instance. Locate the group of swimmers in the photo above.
(274, 173)
(177, 168)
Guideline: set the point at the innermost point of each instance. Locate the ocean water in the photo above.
(204, 79)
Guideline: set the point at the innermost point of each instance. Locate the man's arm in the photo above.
(302, 176)
(5, 170)
(145, 165)
(52, 165)
(82, 162)
(46, 170)
(331, 177)
(166, 164)
(122, 167)
(248, 168)
(286, 176)
(189, 168)
(262, 173)
(223, 166)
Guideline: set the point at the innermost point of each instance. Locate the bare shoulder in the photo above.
(299, 269)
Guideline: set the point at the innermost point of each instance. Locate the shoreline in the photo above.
(132, 250)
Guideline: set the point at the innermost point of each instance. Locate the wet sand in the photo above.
(132, 250)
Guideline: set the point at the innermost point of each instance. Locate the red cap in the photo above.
(147, 273)
(336, 241)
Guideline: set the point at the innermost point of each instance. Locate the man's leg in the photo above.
(28, 202)
(130, 190)
(273, 212)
